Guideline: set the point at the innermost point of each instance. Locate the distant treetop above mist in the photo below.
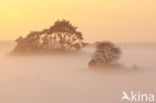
(61, 36)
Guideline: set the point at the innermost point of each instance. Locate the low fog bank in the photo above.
(67, 79)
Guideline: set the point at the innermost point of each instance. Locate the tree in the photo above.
(66, 33)
(106, 54)
(62, 35)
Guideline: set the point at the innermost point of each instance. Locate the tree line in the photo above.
(64, 36)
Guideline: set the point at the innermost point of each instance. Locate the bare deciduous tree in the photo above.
(106, 53)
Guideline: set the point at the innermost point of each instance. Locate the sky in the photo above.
(98, 20)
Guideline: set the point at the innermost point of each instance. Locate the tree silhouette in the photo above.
(106, 53)
(62, 35)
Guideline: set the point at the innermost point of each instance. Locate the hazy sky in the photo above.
(114, 20)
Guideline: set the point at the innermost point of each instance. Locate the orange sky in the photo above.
(114, 20)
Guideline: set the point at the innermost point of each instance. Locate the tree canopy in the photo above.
(106, 54)
(62, 35)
